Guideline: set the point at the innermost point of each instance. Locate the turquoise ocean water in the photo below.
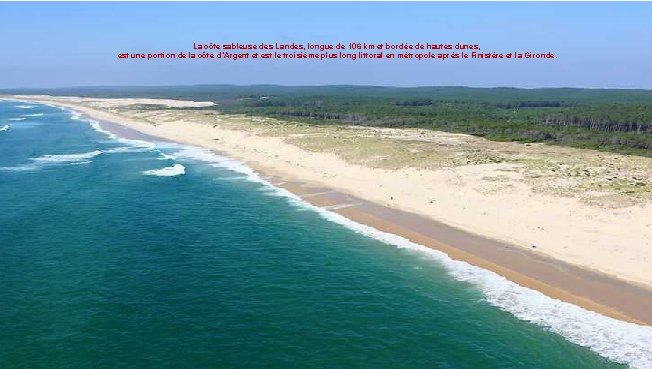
(111, 258)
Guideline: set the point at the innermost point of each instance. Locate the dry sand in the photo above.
(581, 207)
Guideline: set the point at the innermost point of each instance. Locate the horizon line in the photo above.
(324, 85)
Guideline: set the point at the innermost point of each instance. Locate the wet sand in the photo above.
(124, 132)
(591, 290)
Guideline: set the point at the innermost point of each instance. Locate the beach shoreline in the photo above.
(590, 289)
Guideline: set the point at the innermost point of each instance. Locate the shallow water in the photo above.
(117, 253)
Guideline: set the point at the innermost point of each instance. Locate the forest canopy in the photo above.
(603, 119)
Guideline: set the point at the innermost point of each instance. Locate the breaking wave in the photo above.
(4, 128)
(217, 161)
(175, 170)
(136, 145)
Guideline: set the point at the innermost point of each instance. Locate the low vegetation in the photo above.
(609, 120)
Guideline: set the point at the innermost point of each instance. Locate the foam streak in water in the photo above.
(49, 160)
(67, 158)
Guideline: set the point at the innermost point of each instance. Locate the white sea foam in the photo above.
(175, 170)
(25, 106)
(34, 115)
(75, 115)
(140, 144)
(616, 340)
(232, 178)
(4, 128)
(215, 160)
(164, 156)
(96, 126)
(127, 149)
(51, 160)
(16, 119)
(67, 158)
(136, 145)
(20, 168)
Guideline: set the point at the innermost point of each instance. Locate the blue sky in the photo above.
(75, 44)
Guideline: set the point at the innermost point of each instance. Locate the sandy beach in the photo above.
(574, 224)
